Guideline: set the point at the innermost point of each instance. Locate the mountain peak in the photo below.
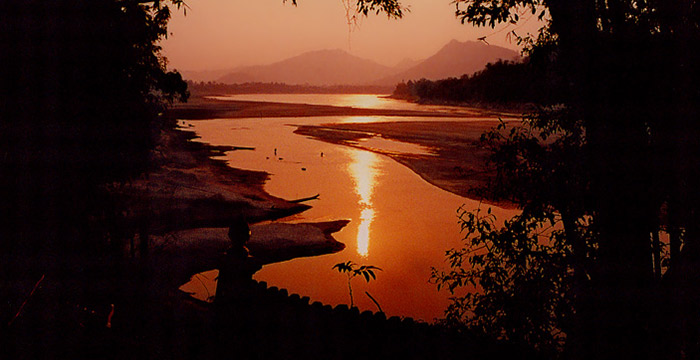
(338, 67)
(317, 67)
(335, 51)
(456, 44)
(454, 60)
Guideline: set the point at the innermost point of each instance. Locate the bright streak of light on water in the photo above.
(363, 170)
(366, 217)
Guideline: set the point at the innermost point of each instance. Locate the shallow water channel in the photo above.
(399, 222)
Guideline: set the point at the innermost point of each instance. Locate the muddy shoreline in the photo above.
(459, 164)
(186, 188)
(203, 107)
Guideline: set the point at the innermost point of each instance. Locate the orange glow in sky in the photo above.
(224, 34)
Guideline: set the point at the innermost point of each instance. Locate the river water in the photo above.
(363, 101)
(399, 222)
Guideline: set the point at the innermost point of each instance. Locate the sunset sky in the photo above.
(223, 34)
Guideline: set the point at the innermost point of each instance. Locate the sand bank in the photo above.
(187, 189)
(199, 108)
(458, 163)
(187, 201)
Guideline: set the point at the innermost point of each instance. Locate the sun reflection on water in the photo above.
(362, 101)
(364, 172)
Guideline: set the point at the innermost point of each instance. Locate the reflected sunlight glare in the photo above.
(364, 172)
(363, 101)
(366, 218)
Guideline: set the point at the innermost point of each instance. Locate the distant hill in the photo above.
(337, 67)
(205, 88)
(323, 67)
(406, 64)
(453, 60)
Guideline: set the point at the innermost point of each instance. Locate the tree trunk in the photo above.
(656, 248)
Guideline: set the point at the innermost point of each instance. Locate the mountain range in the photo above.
(337, 67)
(452, 60)
(322, 67)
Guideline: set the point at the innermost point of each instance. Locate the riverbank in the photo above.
(184, 205)
(350, 181)
(198, 108)
(125, 303)
(458, 165)
(512, 109)
(458, 162)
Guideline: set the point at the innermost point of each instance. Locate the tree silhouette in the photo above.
(83, 92)
(503, 83)
(84, 86)
(614, 158)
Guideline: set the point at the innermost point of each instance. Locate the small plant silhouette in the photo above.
(351, 270)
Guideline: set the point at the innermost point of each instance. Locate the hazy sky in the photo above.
(222, 34)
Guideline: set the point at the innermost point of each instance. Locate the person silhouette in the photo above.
(235, 281)
(235, 300)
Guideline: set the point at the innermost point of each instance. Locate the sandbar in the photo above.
(204, 107)
(459, 163)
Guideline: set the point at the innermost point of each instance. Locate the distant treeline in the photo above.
(211, 87)
(504, 83)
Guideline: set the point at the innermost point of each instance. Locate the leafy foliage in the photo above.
(600, 157)
(83, 89)
(512, 281)
(500, 83)
(352, 270)
(523, 278)
(392, 8)
(491, 13)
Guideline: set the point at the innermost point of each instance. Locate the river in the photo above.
(399, 222)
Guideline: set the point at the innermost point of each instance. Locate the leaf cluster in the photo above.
(147, 22)
(392, 8)
(541, 163)
(491, 13)
(90, 86)
(352, 270)
(513, 281)
(611, 163)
